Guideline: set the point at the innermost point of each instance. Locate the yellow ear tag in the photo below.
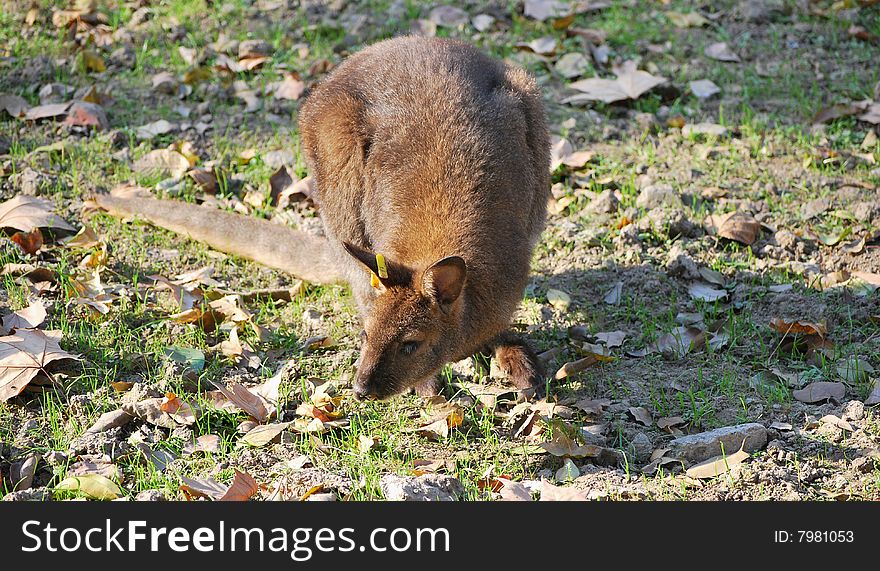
(374, 280)
(380, 265)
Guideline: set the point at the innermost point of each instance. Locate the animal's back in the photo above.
(424, 148)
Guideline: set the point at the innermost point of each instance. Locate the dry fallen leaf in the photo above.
(721, 51)
(204, 443)
(820, 391)
(27, 212)
(244, 399)
(641, 414)
(718, 465)
(688, 20)
(704, 292)
(28, 318)
(29, 242)
(551, 493)
(26, 354)
(513, 491)
(565, 447)
(180, 411)
(162, 162)
(737, 226)
(802, 327)
(93, 486)
(612, 297)
(558, 299)
(631, 83)
(263, 434)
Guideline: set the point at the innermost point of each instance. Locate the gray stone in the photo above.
(604, 203)
(641, 447)
(760, 11)
(854, 410)
(150, 496)
(31, 495)
(655, 195)
(424, 488)
(671, 222)
(705, 445)
(680, 264)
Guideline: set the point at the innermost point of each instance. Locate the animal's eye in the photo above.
(409, 347)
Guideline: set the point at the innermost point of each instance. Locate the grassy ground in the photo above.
(771, 164)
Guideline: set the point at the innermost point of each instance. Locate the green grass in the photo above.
(762, 160)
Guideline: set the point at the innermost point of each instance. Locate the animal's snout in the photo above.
(364, 388)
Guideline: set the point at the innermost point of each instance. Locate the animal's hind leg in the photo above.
(518, 360)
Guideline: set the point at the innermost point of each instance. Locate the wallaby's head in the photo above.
(411, 328)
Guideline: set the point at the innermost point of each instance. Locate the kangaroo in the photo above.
(431, 163)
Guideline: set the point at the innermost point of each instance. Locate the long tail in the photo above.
(302, 255)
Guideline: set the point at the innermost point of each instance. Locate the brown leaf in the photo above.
(86, 238)
(202, 488)
(26, 213)
(574, 367)
(291, 87)
(181, 412)
(14, 105)
(48, 111)
(592, 406)
(513, 491)
(204, 443)
(162, 162)
(29, 242)
(802, 327)
(551, 493)
(565, 447)
(737, 226)
(541, 46)
(820, 391)
(721, 51)
(26, 354)
(244, 399)
(641, 414)
(833, 112)
(631, 83)
(30, 317)
(718, 465)
(612, 296)
(263, 434)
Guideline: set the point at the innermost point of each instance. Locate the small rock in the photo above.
(641, 447)
(150, 496)
(760, 11)
(253, 48)
(424, 488)
(854, 410)
(705, 445)
(862, 464)
(22, 473)
(865, 210)
(31, 495)
(605, 202)
(84, 114)
(680, 264)
(164, 82)
(655, 195)
(325, 497)
(671, 223)
(31, 182)
(123, 57)
(54, 93)
(312, 317)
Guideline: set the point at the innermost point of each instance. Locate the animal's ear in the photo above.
(370, 261)
(444, 280)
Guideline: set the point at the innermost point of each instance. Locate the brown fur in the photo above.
(436, 156)
(424, 149)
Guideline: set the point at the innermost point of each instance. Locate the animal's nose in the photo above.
(360, 391)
